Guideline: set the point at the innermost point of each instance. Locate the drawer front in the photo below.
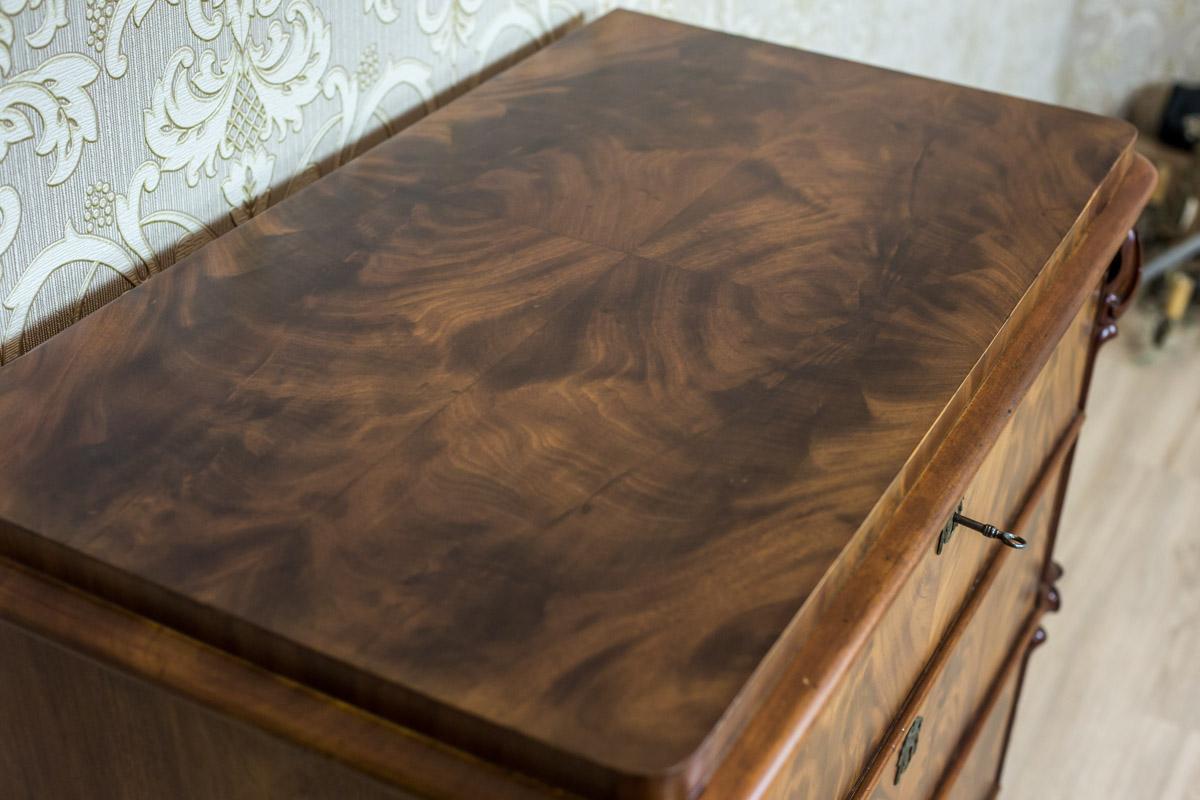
(974, 772)
(981, 765)
(985, 643)
(854, 720)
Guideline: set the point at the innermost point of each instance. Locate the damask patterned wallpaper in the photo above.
(134, 131)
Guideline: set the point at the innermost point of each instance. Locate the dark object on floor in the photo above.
(1169, 118)
(1174, 293)
(1180, 126)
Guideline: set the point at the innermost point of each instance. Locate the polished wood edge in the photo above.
(406, 711)
(884, 755)
(1097, 213)
(325, 676)
(1033, 636)
(866, 578)
(110, 635)
(757, 691)
(1116, 292)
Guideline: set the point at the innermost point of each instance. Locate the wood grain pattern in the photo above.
(988, 632)
(138, 665)
(973, 773)
(1017, 589)
(118, 738)
(535, 428)
(838, 623)
(853, 721)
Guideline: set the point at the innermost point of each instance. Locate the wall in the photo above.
(1011, 46)
(133, 131)
(1118, 45)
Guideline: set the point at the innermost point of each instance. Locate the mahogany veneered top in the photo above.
(533, 427)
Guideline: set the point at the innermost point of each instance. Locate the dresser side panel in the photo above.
(73, 728)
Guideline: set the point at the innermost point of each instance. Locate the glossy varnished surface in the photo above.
(534, 427)
(851, 724)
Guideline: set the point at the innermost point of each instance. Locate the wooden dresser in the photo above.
(601, 435)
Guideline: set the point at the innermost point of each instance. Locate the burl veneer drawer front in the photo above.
(986, 639)
(1022, 459)
(974, 770)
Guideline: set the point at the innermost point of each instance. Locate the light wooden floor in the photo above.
(1111, 708)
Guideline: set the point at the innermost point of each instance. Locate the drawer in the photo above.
(974, 771)
(983, 646)
(976, 778)
(852, 723)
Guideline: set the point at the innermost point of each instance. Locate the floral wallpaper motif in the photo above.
(134, 131)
